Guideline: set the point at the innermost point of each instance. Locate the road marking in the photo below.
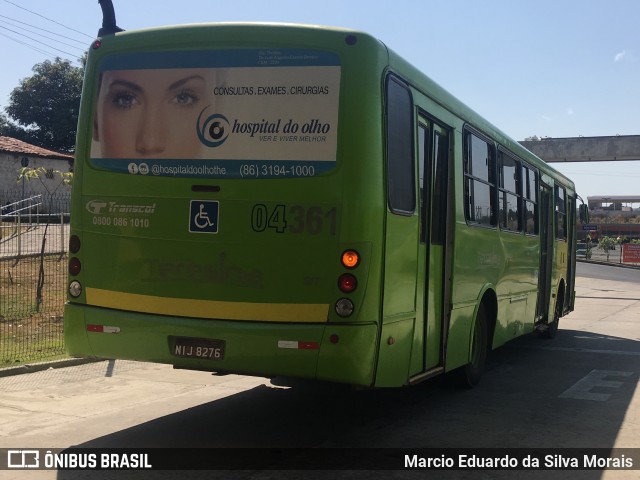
(594, 379)
(609, 298)
(590, 350)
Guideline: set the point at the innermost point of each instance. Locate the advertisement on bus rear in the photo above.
(246, 113)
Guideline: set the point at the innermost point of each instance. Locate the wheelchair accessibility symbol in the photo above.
(203, 216)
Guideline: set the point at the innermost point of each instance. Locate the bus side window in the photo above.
(400, 151)
(529, 200)
(561, 213)
(509, 192)
(480, 181)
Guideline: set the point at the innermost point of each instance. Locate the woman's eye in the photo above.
(125, 100)
(185, 98)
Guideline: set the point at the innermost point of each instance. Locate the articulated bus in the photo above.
(299, 201)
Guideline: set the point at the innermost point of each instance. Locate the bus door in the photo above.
(433, 158)
(546, 253)
(571, 251)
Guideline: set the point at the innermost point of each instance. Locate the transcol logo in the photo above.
(213, 130)
(99, 207)
(96, 206)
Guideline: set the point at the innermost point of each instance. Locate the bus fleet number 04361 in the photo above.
(296, 219)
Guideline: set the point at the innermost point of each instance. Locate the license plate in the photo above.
(203, 348)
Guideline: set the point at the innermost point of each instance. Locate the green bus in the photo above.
(299, 201)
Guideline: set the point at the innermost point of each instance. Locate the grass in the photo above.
(26, 351)
(30, 330)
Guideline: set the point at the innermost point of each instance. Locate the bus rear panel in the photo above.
(215, 195)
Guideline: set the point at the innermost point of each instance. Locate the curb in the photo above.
(38, 367)
(609, 264)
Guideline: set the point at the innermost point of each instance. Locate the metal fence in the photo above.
(34, 233)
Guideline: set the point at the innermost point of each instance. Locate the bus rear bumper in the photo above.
(332, 352)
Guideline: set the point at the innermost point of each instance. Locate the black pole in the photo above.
(109, 26)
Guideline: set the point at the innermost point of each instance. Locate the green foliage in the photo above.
(607, 244)
(589, 246)
(10, 129)
(36, 173)
(43, 108)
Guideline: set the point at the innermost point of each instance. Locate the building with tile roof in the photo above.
(18, 147)
(15, 154)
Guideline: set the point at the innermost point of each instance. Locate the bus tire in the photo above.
(469, 375)
(552, 328)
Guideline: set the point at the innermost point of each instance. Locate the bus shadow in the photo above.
(525, 400)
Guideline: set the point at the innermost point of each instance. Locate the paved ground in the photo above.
(29, 242)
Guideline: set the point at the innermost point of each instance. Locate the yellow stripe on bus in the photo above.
(186, 307)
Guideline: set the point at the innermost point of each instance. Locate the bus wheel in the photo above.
(552, 328)
(469, 375)
(475, 368)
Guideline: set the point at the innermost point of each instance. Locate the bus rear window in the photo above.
(246, 113)
(400, 156)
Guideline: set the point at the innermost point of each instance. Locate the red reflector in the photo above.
(103, 329)
(297, 345)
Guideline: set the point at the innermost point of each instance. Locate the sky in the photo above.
(545, 68)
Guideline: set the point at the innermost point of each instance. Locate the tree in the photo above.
(65, 179)
(10, 129)
(607, 244)
(44, 107)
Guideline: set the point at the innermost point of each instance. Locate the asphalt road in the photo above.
(608, 272)
(575, 391)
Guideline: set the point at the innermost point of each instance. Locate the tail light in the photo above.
(74, 244)
(75, 266)
(344, 307)
(75, 289)
(350, 259)
(347, 282)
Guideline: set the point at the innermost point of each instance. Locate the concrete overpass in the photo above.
(586, 149)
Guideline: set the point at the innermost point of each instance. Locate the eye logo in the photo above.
(213, 130)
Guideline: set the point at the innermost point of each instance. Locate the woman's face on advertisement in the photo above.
(150, 113)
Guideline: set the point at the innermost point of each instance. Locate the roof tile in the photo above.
(13, 145)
